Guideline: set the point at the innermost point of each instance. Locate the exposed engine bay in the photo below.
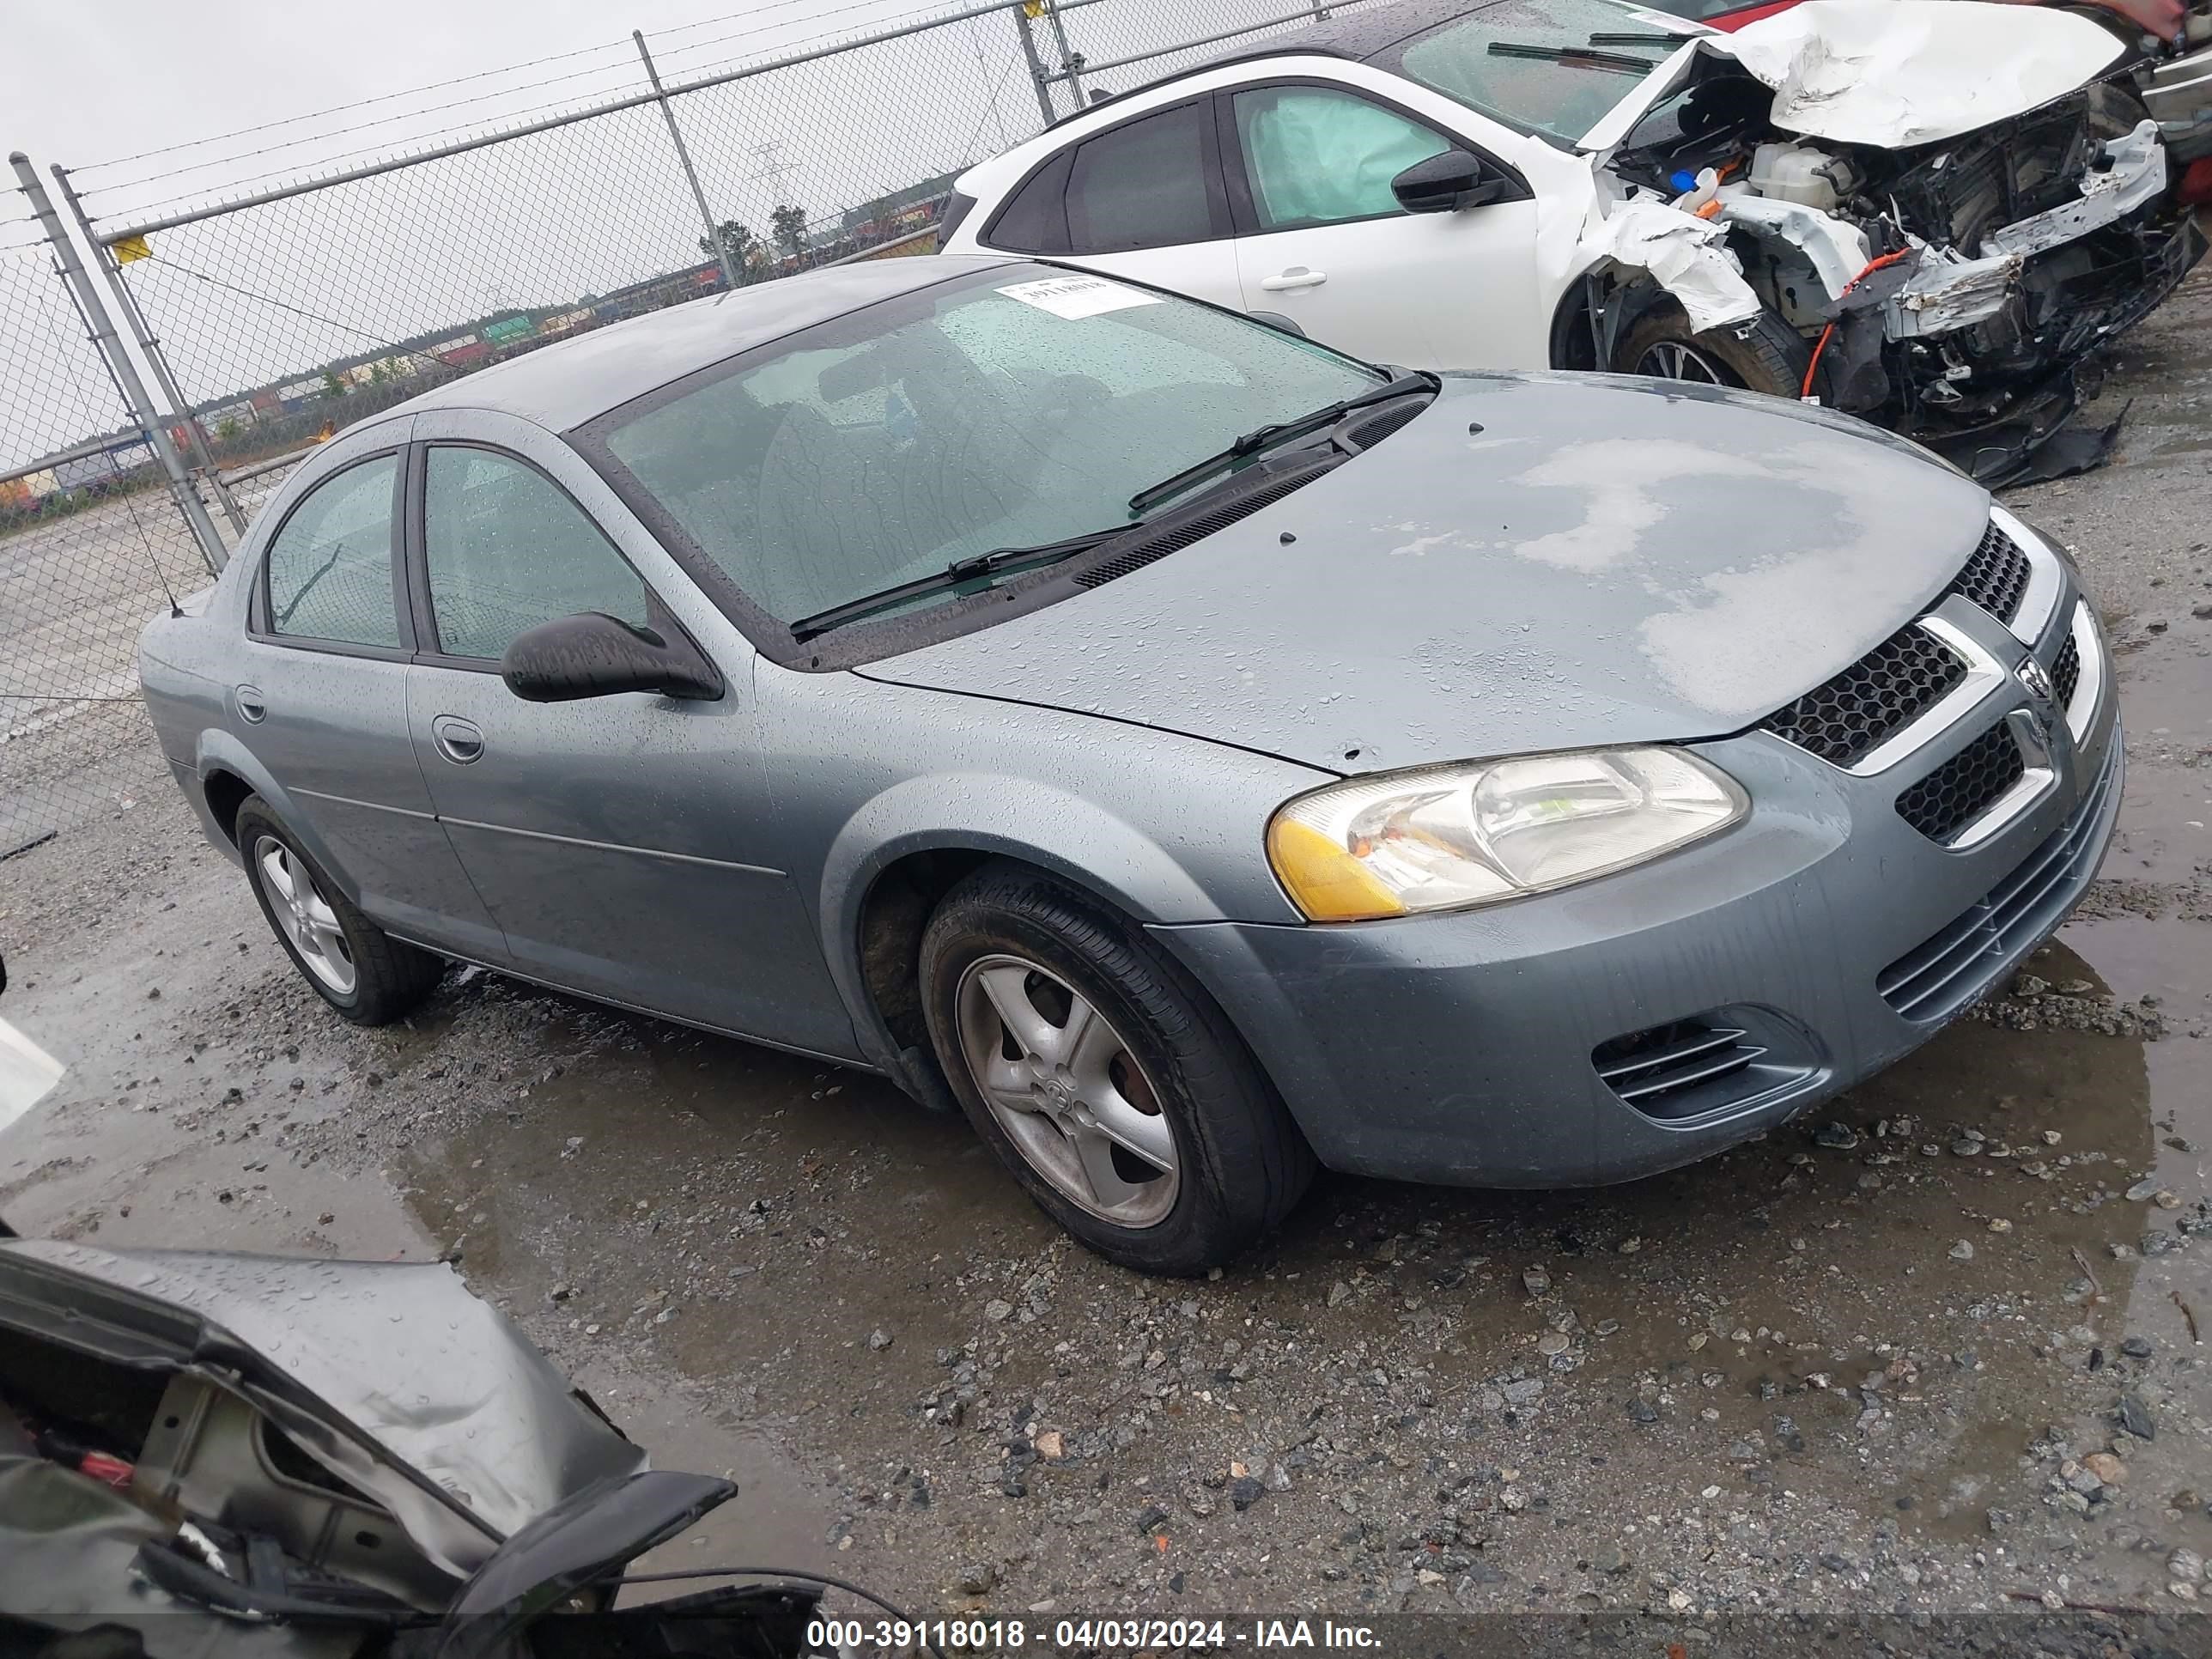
(205, 1454)
(1955, 289)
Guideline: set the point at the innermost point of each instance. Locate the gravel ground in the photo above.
(1932, 1360)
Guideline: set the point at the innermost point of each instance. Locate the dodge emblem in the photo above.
(2037, 682)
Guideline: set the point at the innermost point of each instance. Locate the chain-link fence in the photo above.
(90, 545)
(265, 321)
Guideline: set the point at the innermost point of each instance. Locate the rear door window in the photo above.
(1148, 184)
(329, 569)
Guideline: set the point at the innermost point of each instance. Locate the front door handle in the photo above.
(252, 707)
(457, 740)
(1295, 277)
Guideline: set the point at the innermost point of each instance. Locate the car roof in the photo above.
(1358, 33)
(563, 385)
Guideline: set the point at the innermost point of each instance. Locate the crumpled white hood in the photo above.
(1894, 72)
(1899, 72)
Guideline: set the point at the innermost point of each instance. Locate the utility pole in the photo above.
(125, 373)
(676, 136)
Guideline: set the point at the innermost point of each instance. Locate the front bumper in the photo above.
(1823, 932)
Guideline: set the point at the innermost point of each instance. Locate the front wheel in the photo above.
(1104, 1078)
(1767, 355)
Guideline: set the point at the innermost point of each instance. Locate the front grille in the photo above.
(2066, 671)
(1682, 1069)
(1853, 714)
(1964, 787)
(1945, 973)
(1996, 576)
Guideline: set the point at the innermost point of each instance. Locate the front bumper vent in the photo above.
(1964, 787)
(1946, 972)
(1686, 1068)
(1853, 714)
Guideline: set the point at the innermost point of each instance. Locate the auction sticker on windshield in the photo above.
(1078, 296)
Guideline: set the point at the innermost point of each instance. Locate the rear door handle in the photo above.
(457, 740)
(1295, 277)
(252, 707)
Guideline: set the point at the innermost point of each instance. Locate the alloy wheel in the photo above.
(1063, 1086)
(1679, 359)
(304, 916)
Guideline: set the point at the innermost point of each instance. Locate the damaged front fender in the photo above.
(1685, 255)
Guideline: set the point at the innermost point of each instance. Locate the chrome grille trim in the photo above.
(2045, 579)
(2037, 778)
(2089, 686)
(1984, 672)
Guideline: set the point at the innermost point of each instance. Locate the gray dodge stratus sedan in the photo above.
(1198, 755)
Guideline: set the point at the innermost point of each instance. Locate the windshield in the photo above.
(1561, 100)
(1016, 407)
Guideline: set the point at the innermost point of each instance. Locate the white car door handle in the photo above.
(1295, 277)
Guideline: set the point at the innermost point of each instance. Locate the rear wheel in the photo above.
(1103, 1077)
(1767, 356)
(353, 964)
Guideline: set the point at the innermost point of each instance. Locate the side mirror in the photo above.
(1446, 183)
(592, 655)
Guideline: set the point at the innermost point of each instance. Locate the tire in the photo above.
(1176, 1078)
(357, 968)
(1768, 356)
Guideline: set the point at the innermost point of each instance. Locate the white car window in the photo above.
(330, 567)
(1143, 185)
(506, 550)
(1316, 156)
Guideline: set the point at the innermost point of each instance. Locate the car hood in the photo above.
(1891, 72)
(1537, 562)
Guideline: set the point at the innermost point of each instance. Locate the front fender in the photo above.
(1034, 821)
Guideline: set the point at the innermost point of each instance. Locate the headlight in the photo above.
(1445, 837)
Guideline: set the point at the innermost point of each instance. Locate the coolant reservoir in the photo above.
(1796, 173)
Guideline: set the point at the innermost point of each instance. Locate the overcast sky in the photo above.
(86, 81)
(278, 290)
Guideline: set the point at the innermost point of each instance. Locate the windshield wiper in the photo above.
(998, 561)
(1617, 63)
(1277, 432)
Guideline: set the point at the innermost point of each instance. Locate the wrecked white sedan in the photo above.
(1930, 213)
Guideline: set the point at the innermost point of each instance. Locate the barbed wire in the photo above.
(398, 148)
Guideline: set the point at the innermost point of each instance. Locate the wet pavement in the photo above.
(1939, 1349)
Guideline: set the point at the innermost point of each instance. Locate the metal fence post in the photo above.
(150, 348)
(722, 254)
(1071, 62)
(125, 372)
(1038, 74)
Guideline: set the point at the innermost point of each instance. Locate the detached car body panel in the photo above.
(1903, 689)
(1923, 211)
